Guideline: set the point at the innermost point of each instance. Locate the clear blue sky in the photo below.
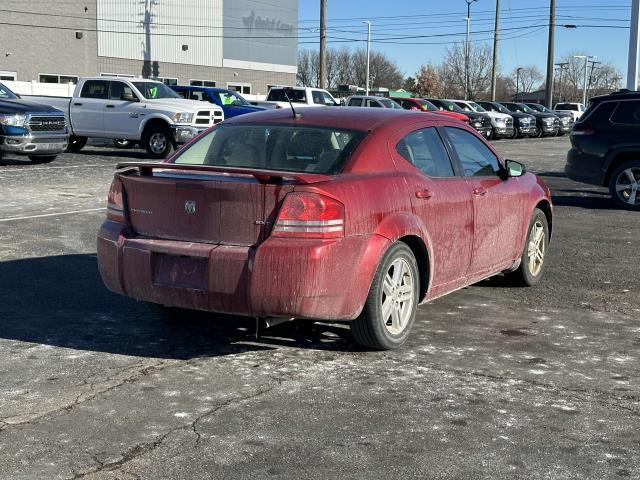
(524, 35)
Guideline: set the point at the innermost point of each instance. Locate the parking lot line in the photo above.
(51, 214)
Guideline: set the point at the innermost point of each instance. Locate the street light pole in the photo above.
(323, 41)
(368, 53)
(634, 43)
(466, 50)
(494, 65)
(561, 66)
(586, 66)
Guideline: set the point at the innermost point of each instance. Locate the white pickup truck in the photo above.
(300, 97)
(139, 110)
(575, 109)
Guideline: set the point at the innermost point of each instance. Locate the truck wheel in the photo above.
(42, 158)
(158, 141)
(390, 309)
(76, 143)
(624, 185)
(537, 132)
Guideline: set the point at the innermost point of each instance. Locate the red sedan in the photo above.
(345, 214)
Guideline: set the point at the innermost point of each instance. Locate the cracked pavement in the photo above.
(495, 382)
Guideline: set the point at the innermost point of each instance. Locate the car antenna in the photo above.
(286, 91)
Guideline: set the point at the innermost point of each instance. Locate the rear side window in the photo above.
(627, 113)
(355, 102)
(475, 157)
(296, 96)
(95, 89)
(274, 147)
(424, 149)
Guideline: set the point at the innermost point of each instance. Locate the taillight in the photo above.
(587, 132)
(309, 215)
(115, 205)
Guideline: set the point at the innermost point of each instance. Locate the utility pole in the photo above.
(586, 67)
(562, 66)
(634, 43)
(323, 40)
(548, 97)
(368, 54)
(494, 66)
(466, 50)
(518, 80)
(593, 65)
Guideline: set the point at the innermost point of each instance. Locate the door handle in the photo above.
(424, 194)
(77, 104)
(479, 191)
(111, 106)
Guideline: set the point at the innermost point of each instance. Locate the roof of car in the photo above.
(619, 95)
(351, 118)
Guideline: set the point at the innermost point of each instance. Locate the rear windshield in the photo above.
(296, 96)
(567, 106)
(274, 147)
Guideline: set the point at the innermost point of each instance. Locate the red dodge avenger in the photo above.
(341, 214)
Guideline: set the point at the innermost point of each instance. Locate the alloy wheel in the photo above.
(397, 296)
(158, 142)
(628, 186)
(536, 249)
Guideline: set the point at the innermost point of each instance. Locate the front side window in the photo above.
(373, 103)
(424, 149)
(274, 147)
(154, 90)
(355, 102)
(119, 90)
(95, 89)
(475, 157)
(317, 97)
(627, 113)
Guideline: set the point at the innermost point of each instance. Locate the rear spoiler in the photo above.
(263, 176)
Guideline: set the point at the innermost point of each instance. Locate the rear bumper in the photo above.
(584, 168)
(46, 144)
(320, 279)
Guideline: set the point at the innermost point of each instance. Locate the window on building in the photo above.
(240, 87)
(54, 78)
(8, 76)
(202, 83)
(166, 80)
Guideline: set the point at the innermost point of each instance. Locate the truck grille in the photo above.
(206, 118)
(47, 123)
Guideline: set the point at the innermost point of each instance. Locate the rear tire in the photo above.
(390, 309)
(76, 143)
(533, 259)
(42, 158)
(624, 185)
(158, 141)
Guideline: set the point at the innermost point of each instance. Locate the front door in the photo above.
(442, 201)
(498, 204)
(122, 117)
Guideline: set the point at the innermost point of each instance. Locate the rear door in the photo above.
(87, 111)
(441, 198)
(498, 204)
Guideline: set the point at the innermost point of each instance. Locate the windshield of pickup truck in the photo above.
(230, 98)
(447, 105)
(155, 90)
(7, 94)
(274, 147)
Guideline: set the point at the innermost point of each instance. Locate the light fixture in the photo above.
(185, 48)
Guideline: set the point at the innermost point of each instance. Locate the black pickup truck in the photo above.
(26, 128)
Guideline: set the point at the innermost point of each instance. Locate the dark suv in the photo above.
(606, 147)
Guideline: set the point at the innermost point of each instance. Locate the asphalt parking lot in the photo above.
(495, 382)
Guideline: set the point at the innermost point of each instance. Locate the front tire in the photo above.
(158, 141)
(532, 261)
(538, 132)
(624, 186)
(76, 143)
(42, 158)
(390, 309)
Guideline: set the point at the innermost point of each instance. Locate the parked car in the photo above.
(371, 101)
(575, 109)
(566, 119)
(426, 106)
(338, 214)
(480, 121)
(501, 123)
(547, 124)
(299, 96)
(231, 103)
(523, 123)
(32, 129)
(140, 110)
(605, 147)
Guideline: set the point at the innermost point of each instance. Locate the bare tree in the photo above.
(452, 70)
(528, 80)
(602, 78)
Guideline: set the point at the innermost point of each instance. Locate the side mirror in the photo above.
(514, 169)
(129, 97)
